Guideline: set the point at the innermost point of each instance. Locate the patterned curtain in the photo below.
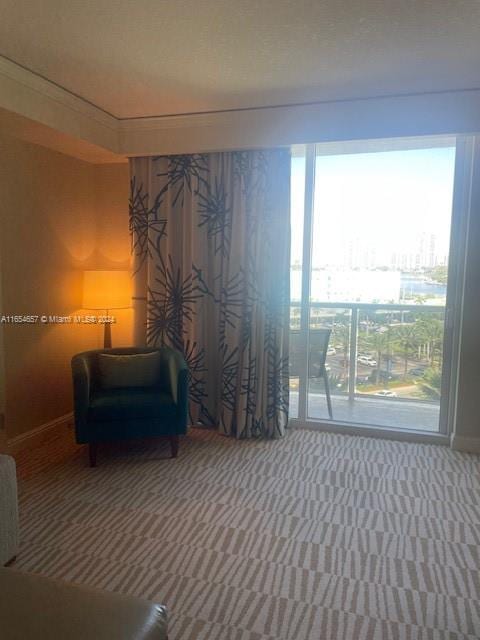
(211, 253)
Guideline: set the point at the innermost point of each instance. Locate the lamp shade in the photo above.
(107, 290)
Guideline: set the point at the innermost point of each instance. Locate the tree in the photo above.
(431, 331)
(379, 342)
(439, 274)
(406, 338)
(341, 335)
(432, 383)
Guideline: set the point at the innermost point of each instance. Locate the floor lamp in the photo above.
(106, 291)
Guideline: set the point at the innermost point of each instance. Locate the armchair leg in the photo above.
(174, 442)
(92, 454)
(327, 393)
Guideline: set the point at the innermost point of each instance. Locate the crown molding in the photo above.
(31, 96)
(39, 100)
(53, 91)
(184, 120)
(449, 112)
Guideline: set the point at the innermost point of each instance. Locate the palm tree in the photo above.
(432, 383)
(379, 342)
(406, 337)
(341, 335)
(432, 333)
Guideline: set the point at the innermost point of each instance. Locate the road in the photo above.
(338, 365)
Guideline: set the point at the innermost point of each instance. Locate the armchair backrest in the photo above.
(90, 358)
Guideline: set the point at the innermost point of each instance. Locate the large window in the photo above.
(370, 255)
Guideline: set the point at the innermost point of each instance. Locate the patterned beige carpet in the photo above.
(315, 537)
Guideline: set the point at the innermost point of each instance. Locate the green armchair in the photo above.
(127, 393)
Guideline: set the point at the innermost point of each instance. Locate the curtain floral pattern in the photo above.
(211, 258)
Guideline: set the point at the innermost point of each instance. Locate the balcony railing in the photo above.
(383, 353)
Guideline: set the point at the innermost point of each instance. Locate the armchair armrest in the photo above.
(81, 393)
(176, 372)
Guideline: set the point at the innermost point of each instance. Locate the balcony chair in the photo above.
(317, 359)
(127, 393)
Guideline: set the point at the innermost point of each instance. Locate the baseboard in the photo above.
(3, 435)
(468, 445)
(372, 431)
(36, 437)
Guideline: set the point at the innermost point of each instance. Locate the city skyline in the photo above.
(357, 255)
(377, 210)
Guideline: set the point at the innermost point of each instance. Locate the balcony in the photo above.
(384, 364)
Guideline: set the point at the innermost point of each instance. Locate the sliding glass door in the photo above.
(371, 245)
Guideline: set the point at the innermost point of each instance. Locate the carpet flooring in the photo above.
(313, 537)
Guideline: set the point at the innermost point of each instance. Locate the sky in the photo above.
(382, 201)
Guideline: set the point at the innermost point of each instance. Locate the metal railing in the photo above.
(306, 330)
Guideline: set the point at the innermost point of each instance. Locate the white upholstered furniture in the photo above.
(8, 510)
(37, 608)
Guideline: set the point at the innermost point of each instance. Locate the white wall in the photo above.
(30, 191)
(3, 433)
(467, 431)
(58, 216)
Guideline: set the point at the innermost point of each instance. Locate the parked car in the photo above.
(367, 360)
(331, 351)
(418, 371)
(386, 393)
(362, 379)
(381, 329)
(386, 375)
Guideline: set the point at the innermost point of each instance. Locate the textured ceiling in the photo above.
(154, 57)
